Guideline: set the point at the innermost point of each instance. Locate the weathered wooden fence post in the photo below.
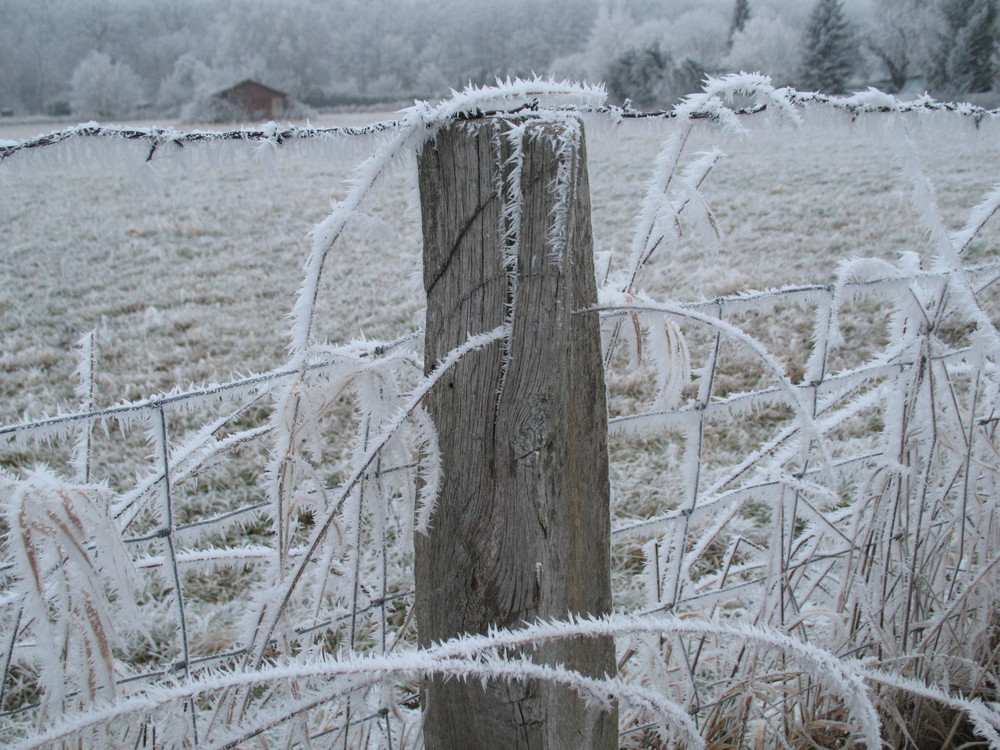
(521, 528)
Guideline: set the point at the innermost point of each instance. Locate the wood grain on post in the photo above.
(521, 529)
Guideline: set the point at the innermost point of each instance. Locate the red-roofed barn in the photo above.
(255, 99)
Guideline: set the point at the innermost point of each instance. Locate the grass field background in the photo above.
(188, 269)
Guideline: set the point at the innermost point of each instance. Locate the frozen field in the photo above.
(187, 271)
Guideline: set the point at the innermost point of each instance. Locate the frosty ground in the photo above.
(187, 268)
(187, 271)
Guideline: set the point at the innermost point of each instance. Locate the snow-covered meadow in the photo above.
(187, 267)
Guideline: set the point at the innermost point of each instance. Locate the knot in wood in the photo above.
(535, 430)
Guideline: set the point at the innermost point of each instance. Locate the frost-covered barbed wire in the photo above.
(473, 102)
(698, 107)
(158, 138)
(870, 101)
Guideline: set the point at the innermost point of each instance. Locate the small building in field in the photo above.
(256, 100)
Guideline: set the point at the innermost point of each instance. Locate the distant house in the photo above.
(258, 101)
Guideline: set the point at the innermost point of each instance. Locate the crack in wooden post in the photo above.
(521, 530)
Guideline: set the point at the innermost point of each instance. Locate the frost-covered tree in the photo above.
(609, 38)
(651, 77)
(700, 34)
(766, 45)
(899, 37)
(965, 57)
(306, 47)
(829, 49)
(741, 15)
(431, 81)
(190, 78)
(104, 88)
(283, 44)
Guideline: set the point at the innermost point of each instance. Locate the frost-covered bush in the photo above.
(652, 64)
(650, 77)
(431, 81)
(699, 34)
(899, 38)
(208, 107)
(104, 88)
(189, 79)
(640, 75)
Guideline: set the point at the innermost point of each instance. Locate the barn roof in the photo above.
(249, 82)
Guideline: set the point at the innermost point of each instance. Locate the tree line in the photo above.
(110, 58)
(163, 52)
(947, 47)
(953, 43)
